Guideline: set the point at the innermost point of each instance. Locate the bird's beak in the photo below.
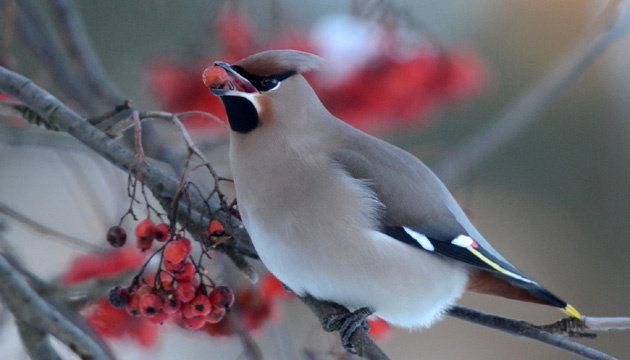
(222, 80)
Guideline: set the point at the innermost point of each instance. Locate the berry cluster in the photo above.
(180, 286)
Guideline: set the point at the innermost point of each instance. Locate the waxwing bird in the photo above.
(342, 216)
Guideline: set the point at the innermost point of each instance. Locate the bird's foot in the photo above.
(347, 324)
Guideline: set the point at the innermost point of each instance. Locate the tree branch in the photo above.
(27, 306)
(360, 340)
(36, 342)
(521, 113)
(523, 329)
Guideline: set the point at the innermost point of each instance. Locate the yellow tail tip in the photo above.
(570, 310)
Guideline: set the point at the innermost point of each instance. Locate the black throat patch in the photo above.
(241, 113)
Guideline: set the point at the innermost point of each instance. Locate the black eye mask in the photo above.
(263, 83)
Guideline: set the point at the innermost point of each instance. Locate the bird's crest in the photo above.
(274, 62)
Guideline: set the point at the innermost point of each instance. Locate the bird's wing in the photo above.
(421, 212)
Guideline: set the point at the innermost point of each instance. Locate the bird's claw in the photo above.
(350, 322)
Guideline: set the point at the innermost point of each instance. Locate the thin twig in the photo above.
(42, 229)
(608, 27)
(578, 327)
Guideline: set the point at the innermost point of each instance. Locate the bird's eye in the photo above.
(269, 83)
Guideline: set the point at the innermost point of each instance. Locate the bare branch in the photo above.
(4, 209)
(577, 328)
(27, 306)
(360, 340)
(608, 27)
(36, 342)
(523, 329)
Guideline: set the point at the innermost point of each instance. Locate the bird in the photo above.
(342, 216)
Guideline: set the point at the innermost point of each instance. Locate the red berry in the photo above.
(159, 318)
(167, 280)
(118, 297)
(172, 305)
(194, 323)
(185, 291)
(172, 268)
(187, 246)
(144, 289)
(145, 230)
(150, 305)
(177, 251)
(116, 236)
(215, 229)
(199, 306)
(133, 306)
(161, 232)
(186, 273)
(222, 297)
(217, 314)
(144, 244)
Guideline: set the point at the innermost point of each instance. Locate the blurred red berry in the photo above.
(185, 291)
(118, 296)
(222, 297)
(116, 236)
(199, 306)
(177, 251)
(186, 273)
(113, 323)
(194, 323)
(254, 308)
(150, 305)
(273, 289)
(217, 314)
(378, 328)
(162, 232)
(102, 265)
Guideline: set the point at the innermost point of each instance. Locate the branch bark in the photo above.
(36, 342)
(27, 306)
(523, 329)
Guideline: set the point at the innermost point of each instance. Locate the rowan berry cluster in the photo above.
(180, 288)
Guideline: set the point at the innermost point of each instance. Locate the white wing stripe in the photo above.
(421, 239)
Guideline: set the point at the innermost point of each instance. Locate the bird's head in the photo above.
(259, 89)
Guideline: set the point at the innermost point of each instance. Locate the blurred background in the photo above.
(424, 75)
